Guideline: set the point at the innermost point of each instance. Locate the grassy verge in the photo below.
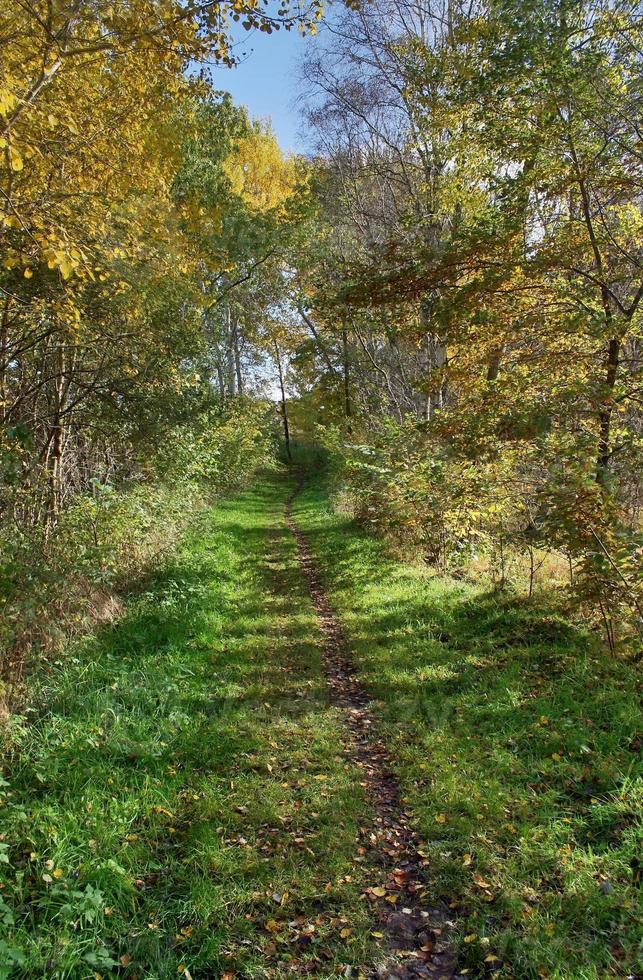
(517, 746)
(177, 803)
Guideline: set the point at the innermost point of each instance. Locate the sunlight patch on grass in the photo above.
(161, 807)
(517, 748)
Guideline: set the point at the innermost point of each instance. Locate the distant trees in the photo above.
(452, 286)
(138, 211)
(480, 174)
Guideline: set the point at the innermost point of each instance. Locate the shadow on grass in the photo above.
(151, 743)
(517, 748)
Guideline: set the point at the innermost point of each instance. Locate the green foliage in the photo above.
(110, 536)
(171, 792)
(474, 294)
(518, 747)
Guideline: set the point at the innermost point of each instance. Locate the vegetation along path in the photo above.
(416, 932)
(259, 773)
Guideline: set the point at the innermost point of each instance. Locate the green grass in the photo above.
(516, 740)
(176, 798)
(176, 801)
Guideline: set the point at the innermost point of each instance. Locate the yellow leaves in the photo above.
(259, 173)
(440, 818)
(480, 882)
(162, 809)
(66, 261)
(8, 100)
(15, 159)
(65, 266)
(466, 860)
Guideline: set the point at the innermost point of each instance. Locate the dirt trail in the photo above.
(416, 933)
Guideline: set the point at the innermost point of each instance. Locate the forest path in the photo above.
(416, 932)
(291, 747)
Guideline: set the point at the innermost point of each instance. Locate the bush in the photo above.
(510, 512)
(57, 582)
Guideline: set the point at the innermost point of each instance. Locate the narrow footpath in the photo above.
(416, 931)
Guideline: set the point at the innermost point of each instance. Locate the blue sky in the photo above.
(266, 80)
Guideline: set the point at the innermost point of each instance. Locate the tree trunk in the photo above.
(229, 353)
(347, 391)
(284, 411)
(605, 413)
(493, 367)
(237, 355)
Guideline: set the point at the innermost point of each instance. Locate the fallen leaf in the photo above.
(480, 882)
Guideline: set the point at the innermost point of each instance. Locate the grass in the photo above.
(517, 748)
(176, 801)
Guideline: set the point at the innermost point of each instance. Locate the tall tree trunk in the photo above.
(347, 390)
(221, 380)
(56, 443)
(493, 367)
(605, 412)
(436, 355)
(229, 353)
(237, 354)
(284, 411)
